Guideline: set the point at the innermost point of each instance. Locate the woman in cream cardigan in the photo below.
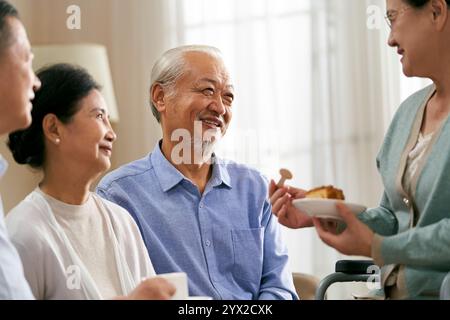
(408, 235)
(73, 244)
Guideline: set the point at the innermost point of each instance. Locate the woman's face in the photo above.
(413, 35)
(88, 138)
(17, 80)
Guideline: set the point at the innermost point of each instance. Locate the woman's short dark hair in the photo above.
(6, 11)
(420, 3)
(63, 87)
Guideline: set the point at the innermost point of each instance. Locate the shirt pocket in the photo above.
(248, 254)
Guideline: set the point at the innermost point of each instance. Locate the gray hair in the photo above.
(171, 66)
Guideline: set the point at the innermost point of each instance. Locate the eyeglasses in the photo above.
(393, 14)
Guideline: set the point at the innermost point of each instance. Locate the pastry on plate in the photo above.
(326, 192)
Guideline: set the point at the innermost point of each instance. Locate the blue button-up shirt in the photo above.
(12, 280)
(225, 239)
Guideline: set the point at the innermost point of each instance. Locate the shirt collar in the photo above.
(166, 173)
(220, 173)
(169, 176)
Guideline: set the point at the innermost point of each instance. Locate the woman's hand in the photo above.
(330, 225)
(282, 207)
(356, 239)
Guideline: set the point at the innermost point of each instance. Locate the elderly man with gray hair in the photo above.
(198, 214)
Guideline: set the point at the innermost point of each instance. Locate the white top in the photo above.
(85, 225)
(415, 158)
(91, 251)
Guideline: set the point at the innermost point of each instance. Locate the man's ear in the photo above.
(440, 13)
(51, 128)
(158, 97)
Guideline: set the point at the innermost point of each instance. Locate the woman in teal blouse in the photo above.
(408, 235)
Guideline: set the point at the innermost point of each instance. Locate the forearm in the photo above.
(422, 247)
(380, 219)
(277, 285)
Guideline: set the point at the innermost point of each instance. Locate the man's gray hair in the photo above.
(171, 66)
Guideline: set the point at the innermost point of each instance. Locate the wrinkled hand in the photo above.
(152, 289)
(356, 239)
(282, 207)
(329, 225)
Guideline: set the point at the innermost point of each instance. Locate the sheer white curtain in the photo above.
(354, 91)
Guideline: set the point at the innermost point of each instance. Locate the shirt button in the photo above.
(208, 243)
(406, 201)
(201, 205)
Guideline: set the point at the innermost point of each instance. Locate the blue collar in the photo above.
(169, 176)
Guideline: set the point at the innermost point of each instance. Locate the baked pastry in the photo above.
(326, 192)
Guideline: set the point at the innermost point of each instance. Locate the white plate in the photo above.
(325, 208)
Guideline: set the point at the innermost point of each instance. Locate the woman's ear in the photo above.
(51, 128)
(158, 97)
(440, 13)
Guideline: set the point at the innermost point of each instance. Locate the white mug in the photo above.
(179, 281)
